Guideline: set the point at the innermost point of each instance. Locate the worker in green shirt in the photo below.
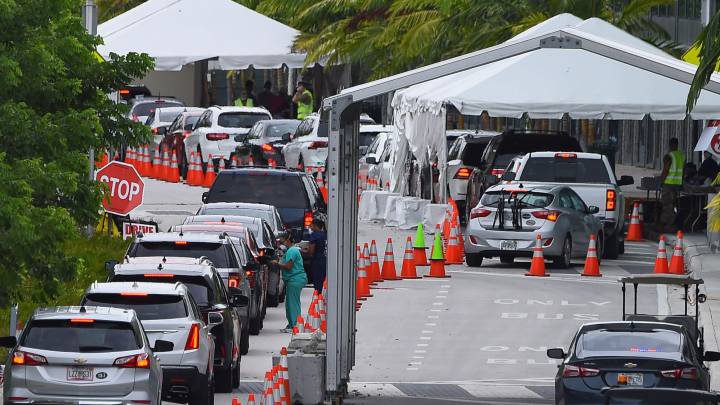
(672, 184)
(304, 100)
(248, 98)
(293, 274)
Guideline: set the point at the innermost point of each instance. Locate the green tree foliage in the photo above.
(53, 108)
(709, 42)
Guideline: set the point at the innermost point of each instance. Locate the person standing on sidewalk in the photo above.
(672, 182)
(304, 99)
(293, 274)
(317, 250)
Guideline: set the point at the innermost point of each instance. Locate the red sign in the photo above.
(715, 144)
(125, 187)
(130, 229)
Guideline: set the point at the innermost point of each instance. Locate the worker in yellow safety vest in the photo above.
(247, 99)
(672, 183)
(304, 100)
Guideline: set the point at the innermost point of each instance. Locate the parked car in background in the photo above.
(210, 295)
(219, 131)
(376, 154)
(591, 177)
(503, 148)
(294, 193)
(506, 221)
(177, 131)
(266, 140)
(629, 354)
(464, 156)
(142, 107)
(168, 312)
(74, 355)
(365, 119)
(367, 135)
(268, 213)
(307, 146)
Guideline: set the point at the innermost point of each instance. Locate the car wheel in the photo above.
(236, 375)
(564, 260)
(255, 325)
(600, 247)
(612, 247)
(244, 341)
(273, 300)
(507, 259)
(473, 259)
(225, 380)
(621, 247)
(205, 395)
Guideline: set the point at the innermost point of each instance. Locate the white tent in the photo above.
(554, 79)
(178, 32)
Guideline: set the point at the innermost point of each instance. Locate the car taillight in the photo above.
(135, 118)
(548, 215)
(193, 340)
(154, 131)
(463, 173)
(158, 275)
(251, 278)
(141, 360)
(318, 145)
(610, 200)
(308, 219)
(21, 358)
(565, 155)
(217, 136)
(574, 371)
(479, 213)
(234, 280)
(186, 134)
(82, 320)
(267, 147)
(497, 172)
(688, 373)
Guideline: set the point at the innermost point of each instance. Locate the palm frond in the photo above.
(709, 41)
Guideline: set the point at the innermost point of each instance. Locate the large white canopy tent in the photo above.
(557, 78)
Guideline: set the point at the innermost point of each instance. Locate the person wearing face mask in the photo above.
(317, 250)
(293, 274)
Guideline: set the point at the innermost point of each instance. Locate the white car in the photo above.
(376, 163)
(219, 131)
(368, 133)
(142, 107)
(306, 147)
(160, 119)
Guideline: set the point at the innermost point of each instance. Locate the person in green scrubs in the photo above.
(293, 274)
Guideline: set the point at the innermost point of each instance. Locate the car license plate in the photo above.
(508, 245)
(631, 379)
(79, 374)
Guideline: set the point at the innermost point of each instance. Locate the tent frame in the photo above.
(343, 128)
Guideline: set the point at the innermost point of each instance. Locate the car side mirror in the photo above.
(239, 300)
(490, 179)
(215, 318)
(556, 353)
(204, 197)
(188, 127)
(593, 209)
(508, 176)
(363, 149)
(110, 266)
(711, 356)
(161, 130)
(371, 160)
(626, 181)
(8, 341)
(163, 346)
(286, 137)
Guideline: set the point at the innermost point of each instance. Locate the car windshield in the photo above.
(168, 116)
(243, 212)
(95, 336)
(515, 145)
(658, 343)
(148, 307)
(280, 129)
(533, 199)
(565, 170)
(199, 289)
(366, 138)
(259, 188)
(216, 252)
(472, 154)
(145, 109)
(240, 119)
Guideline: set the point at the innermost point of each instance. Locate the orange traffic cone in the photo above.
(148, 161)
(661, 261)
(374, 264)
(251, 161)
(635, 231)
(285, 373)
(388, 266)
(321, 185)
(209, 173)
(268, 390)
(130, 156)
(419, 247)
(234, 162)
(408, 270)
(140, 161)
(447, 224)
(221, 165)
(592, 264)
(437, 259)
(362, 287)
(156, 172)
(454, 255)
(173, 171)
(537, 266)
(677, 262)
(251, 399)
(165, 173)
(190, 177)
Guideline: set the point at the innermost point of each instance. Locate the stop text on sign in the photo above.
(121, 188)
(125, 187)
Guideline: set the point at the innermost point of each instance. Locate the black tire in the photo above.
(507, 259)
(564, 261)
(255, 324)
(244, 341)
(224, 380)
(473, 259)
(612, 247)
(621, 247)
(273, 300)
(236, 375)
(204, 395)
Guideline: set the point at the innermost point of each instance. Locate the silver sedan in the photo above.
(506, 221)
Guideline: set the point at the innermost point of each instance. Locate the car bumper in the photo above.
(180, 381)
(489, 243)
(133, 398)
(458, 189)
(315, 157)
(217, 151)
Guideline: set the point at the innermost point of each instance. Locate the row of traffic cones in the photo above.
(276, 390)
(592, 262)
(677, 261)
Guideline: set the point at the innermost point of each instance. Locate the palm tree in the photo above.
(709, 42)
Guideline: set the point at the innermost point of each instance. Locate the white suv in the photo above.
(168, 312)
(307, 148)
(220, 130)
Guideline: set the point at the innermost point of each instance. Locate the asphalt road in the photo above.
(479, 336)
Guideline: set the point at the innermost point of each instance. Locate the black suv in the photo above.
(210, 295)
(294, 193)
(503, 148)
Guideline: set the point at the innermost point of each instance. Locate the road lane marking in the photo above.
(415, 363)
(411, 369)
(430, 324)
(418, 357)
(433, 317)
(375, 389)
(485, 391)
(442, 292)
(420, 351)
(427, 331)
(445, 286)
(436, 310)
(422, 345)
(437, 303)
(662, 299)
(442, 297)
(425, 337)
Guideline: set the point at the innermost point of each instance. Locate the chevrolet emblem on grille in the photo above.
(630, 365)
(80, 361)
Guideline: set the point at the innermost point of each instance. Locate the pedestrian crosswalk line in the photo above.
(499, 391)
(375, 390)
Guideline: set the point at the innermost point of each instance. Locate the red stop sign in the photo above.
(125, 187)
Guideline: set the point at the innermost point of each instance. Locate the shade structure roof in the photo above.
(178, 32)
(555, 79)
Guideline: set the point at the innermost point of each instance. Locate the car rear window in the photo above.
(514, 145)
(168, 116)
(200, 290)
(565, 170)
(148, 307)
(144, 109)
(86, 337)
(216, 252)
(259, 188)
(243, 212)
(532, 199)
(366, 138)
(472, 153)
(641, 343)
(240, 119)
(278, 130)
